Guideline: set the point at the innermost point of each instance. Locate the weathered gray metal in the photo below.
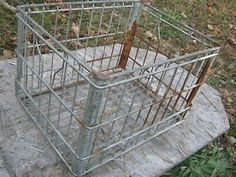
(149, 68)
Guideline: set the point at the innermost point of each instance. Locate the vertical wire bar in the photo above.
(200, 80)
(79, 21)
(188, 37)
(189, 90)
(88, 31)
(54, 34)
(33, 64)
(145, 57)
(163, 74)
(166, 108)
(120, 17)
(136, 54)
(112, 51)
(134, 125)
(184, 83)
(51, 72)
(26, 58)
(64, 70)
(108, 30)
(197, 73)
(128, 19)
(68, 26)
(150, 78)
(43, 17)
(136, 92)
(40, 77)
(113, 123)
(159, 30)
(165, 94)
(48, 111)
(117, 61)
(98, 33)
(73, 105)
(117, 30)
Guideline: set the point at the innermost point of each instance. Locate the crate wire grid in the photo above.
(127, 73)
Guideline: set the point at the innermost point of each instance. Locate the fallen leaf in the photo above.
(14, 38)
(149, 2)
(102, 31)
(114, 14)
(229, 100)
(63, 15)
(6, 54)
(231, 41)
(75, 29)
(105, 25)
(232, 111)
(145, 14)
(210, 27)
(110, 38)
(150, 36)
(79, 44)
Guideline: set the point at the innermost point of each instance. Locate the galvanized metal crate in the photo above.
(101, 78)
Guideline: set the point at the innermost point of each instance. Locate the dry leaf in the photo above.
(210, 27)
(110, 38)
(105, 25)
(145, 14)
(63, 15)
(102, 31)
(150, 35)
(232, 111)
(79, 44)
(5, 54)
(114, 14)
(75, 29)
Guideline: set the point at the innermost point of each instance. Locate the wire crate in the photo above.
(101, 78)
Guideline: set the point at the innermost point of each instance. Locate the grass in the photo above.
(210, 162)
(219, 158)
(7, 29)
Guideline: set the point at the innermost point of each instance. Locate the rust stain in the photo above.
(127, 46)
(199, 82)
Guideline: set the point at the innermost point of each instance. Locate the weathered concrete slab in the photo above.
(24, 152)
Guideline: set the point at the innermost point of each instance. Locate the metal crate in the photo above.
(101, 78)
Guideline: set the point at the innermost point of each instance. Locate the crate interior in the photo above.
(102, 25)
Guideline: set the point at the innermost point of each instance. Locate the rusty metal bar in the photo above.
(200, 81)
(128, 41)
